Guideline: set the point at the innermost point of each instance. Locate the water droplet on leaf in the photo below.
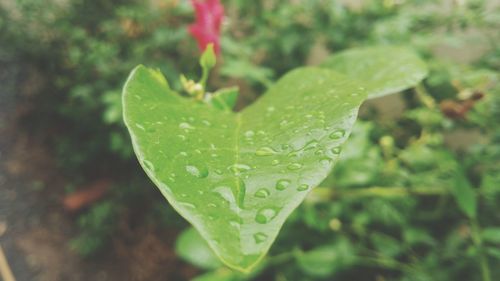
(265, 151)
(259, 237)
(338, 134)
(303, 187)
(197, 171)
(265, 215)
(294, 166)
(262, 193)
(282, 184)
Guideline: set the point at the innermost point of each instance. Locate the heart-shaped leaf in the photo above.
(383, 70)
(236, 177)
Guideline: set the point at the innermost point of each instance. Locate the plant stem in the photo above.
(478, 242)
(424, 96)
(378, 191)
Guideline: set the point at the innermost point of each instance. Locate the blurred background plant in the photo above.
(416, 195)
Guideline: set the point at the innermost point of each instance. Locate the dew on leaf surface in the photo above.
(262, 193)
(197, 171)
(294, 166)
(336, 150)
(186, 126)
(265, 151)
(259, 237)
(338, 134)
(265, 215)
(282, 184)
(303, 187)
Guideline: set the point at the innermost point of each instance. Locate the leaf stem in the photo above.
(378, 191)
(424, 96)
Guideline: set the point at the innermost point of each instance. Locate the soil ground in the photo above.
(35, 229)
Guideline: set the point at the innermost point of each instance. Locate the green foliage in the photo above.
(237, 177)
(382, 70)
(385, 186)
(191, 247)
(97, 225)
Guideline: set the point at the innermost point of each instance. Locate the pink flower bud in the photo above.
(206, 28)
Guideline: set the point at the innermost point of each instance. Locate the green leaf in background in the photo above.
(222, 274)
(225, 99)
(464, 193)
(325, 260)
(236, 177)
(383, 70)
(491, 235)
(191, 247)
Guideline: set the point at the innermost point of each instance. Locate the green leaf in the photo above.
(491, 235)
(382, 69)
(225, 99)
(464, 193)
(326, 260)
(191, 247)
(222, 274)
(236, 177)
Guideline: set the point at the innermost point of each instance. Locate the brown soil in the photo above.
(36, 227)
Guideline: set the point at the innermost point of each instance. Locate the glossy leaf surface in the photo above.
(236, 177)
(383, 70)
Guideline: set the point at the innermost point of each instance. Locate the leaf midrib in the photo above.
(237, 157)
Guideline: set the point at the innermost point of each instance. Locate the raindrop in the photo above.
(325, 161)
(265, 151)
(238, 168)
(188, 205)
(265, 215)
(283, 123)
(275, 162)
(140, 126)
(259, 237)
(338, 134)
(149, 166)
(303, 187)
(186, 126)
(310, 145)
(212, 205)
(206, 123)
(336, 150)
(183, 153)
(235, 224)
(262, 193)
(182, 137)
(294, 166)
(199, 172)
(249, 134)
(319, 152)
(282, 184)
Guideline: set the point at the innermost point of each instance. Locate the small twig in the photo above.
(325, 193)
(5, 270)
